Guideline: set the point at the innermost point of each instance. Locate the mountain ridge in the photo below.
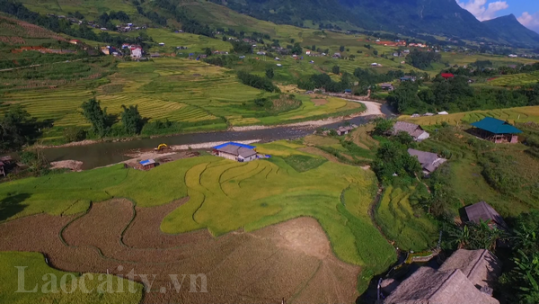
(407, 17)
(509, 28)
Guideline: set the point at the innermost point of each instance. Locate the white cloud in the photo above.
(530, 21)
(481, 10)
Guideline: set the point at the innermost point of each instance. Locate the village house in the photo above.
(236, 151)
(468, 276)
(337, 55)
(408, 78)
(75, 41)
(387, 87)
(343, 130)
(429, 161)
(5, 161)
(105, 50)
(147, 164)
(447, 75)
(416, 131)
(136, 51)
(496, 130)
(483, 212)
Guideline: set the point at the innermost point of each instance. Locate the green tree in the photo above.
(375, 52)
(132, 120)
(270, 73)
(296, 49)
(382, 126)
(336, 70)
(17, 128)
(341, 48)
(207, 51)
(34, 161)
(97, 116)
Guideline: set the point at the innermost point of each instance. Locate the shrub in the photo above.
(72, 134)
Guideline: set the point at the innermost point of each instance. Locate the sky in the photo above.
(526, 11)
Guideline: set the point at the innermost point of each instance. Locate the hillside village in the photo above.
(269, 152)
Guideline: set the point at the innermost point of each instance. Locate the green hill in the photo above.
(509, 29)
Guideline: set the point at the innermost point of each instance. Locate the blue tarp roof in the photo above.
(234, 144)
(147, 162)
(496, 126)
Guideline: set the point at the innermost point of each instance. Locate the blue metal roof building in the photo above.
(496, 126)
(497, 130)
(233, 144)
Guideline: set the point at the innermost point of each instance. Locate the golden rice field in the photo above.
(167, 88)
(225, 196)
(512, 115)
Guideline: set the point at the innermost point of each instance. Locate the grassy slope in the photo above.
(466, 174)
(225, 196)
(38, 269)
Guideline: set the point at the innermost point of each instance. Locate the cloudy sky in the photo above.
(527, 11)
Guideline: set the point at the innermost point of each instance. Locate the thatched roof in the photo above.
(410, 128)
(480, 266)
(429, 161)
(483, 212)
(458, 281)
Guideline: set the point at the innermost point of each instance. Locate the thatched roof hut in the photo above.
(484, 212)
(463, 278)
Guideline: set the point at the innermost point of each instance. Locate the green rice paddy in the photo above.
(37, 272)
(397, 219)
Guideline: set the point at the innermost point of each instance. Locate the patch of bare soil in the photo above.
(291, 260)
(145, 232)
(73, 165)
(319, 102)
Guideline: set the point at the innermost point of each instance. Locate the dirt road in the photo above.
(373, 108)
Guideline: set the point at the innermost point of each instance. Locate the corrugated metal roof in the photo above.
(147, 162)
(495, 126)
(233, 144)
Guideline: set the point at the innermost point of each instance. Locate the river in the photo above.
(106, 153)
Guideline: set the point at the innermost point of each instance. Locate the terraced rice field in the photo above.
(513, 115)
(397, 219)
(515, 80)
(361, 137)
(262, 219)
(180, 90)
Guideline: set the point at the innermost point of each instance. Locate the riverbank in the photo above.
(371, 109)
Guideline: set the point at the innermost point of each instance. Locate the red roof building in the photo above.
(447, 75)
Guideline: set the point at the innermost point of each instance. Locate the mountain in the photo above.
(407, 17)
(437, 17)
(509, 29)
